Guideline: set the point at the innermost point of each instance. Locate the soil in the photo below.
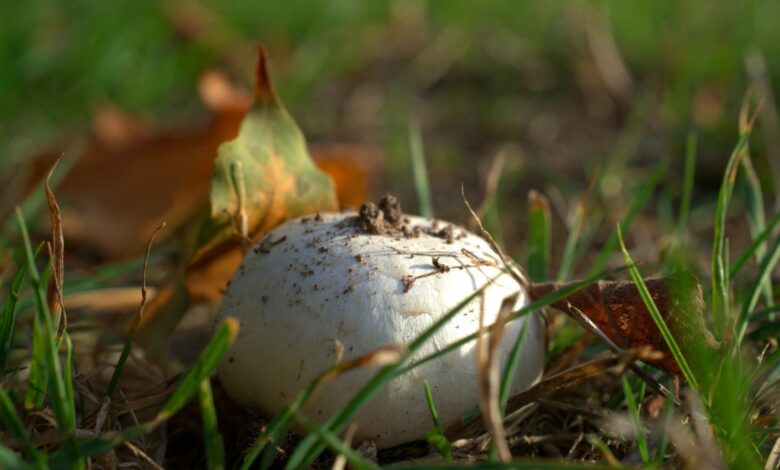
(386, 218)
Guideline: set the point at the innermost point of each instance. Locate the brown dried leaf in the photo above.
(617, 310)
(57, 254)
(131, 174)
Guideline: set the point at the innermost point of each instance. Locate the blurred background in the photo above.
(506, 96)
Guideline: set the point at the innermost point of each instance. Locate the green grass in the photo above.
(727, 387)
(478, 78)
(214, 445)
(656, 314)
(720, 288)
(539, 237)
(633, 409)
(436, 436)
(54, 389)
(420, 172)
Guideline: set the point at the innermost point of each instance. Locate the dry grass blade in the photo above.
(488, 374)
(109, 299)
(136, 321)
(773, 462)
(559, 382)
(379, 357)
(57, 255)
(513, 270)
(340, 463)
(491, 183)
(140, 454)
(571, 378)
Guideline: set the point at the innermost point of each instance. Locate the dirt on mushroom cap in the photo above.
(386, 218)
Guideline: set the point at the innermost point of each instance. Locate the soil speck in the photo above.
(371, 220)
(383, 219)
(391, 209)
(447, 233)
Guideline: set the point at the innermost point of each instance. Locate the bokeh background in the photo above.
(563, 93)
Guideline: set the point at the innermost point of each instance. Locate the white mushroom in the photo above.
(369, 281)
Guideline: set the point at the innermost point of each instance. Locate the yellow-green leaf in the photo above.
(261, 178)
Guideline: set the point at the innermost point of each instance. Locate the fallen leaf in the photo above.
(57, 255)
(617, 310)
(261, 178)
(131, 175)
(127, 180)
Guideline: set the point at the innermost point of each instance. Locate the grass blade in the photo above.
(203, 367)
(570, 248)
(765, 270)
(754, 245)
(688, 179)
(663, 441)
(277, 427)
(720, 278)
(633, 410)
(488, 210)
(128, 346)
(539, 236)
(657, 318)
(68, 376)
(35, 389)
(212, 439)
(755, 216)
(355, 460)
(49, 360)
(65, 418)
(14, 424)
(187, 388)
(10, 461)
(8, 317)
(420, 172)
(436, 437)
(511, 366)
(639, 201)
(606, 452)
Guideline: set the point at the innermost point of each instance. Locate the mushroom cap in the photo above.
(313, 280)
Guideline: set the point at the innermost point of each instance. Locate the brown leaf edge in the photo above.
(618, 311)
